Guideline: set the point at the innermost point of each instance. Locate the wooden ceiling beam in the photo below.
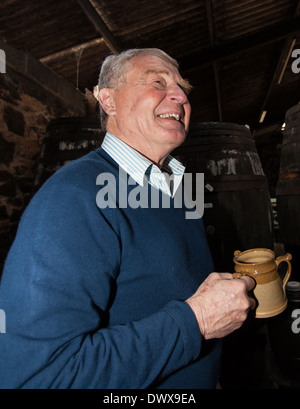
(210, 23)
(100, 26)
(219, 53)
(280, 68)
(71, 50)
(277, 76)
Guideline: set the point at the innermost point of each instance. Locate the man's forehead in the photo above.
(152, 62)
(149, 65)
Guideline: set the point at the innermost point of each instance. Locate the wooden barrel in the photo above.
(237, 216)
(66, 139)
(237, 213)
(284, 335)
(288, 188)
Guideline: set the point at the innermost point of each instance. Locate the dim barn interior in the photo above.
(243, 60)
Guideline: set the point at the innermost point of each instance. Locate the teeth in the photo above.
(176, 116)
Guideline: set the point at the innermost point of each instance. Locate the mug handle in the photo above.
(240, 275)
(287, 257)
(237, 275)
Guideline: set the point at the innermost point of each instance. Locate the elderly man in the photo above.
(99, 295)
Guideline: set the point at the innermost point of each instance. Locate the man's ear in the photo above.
(106, 100)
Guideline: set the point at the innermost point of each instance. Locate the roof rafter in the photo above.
(218, 53)
(71, 50)
(99, 25)
(209, 16)
(281, 65)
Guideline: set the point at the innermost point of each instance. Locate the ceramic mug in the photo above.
(262, 266)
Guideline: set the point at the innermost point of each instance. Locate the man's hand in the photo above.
(221, 304)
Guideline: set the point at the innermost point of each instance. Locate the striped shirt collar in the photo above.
(140, 168)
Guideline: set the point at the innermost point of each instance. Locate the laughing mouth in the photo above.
(171, 115)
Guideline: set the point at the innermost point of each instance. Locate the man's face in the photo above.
(152, 111)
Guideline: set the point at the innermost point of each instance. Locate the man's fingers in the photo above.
(250, 282)
(253, 303)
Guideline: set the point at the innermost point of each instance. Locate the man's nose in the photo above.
(176, 93)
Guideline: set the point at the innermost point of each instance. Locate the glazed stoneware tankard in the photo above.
(262, 265)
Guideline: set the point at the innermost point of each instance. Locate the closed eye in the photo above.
(160, 83)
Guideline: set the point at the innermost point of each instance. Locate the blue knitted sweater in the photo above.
(94, 297)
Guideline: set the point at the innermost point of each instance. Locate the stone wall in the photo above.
(31, 95)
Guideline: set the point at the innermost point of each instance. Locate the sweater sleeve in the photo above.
(57, 288)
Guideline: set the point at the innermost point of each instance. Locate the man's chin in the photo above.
(177, 137)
